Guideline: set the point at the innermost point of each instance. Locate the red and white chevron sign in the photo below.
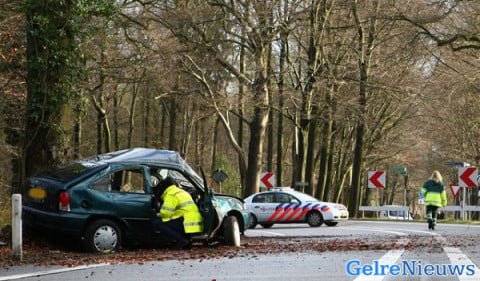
(376, 179)
(267, 180)
(467, 176)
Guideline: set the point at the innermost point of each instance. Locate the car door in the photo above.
(263, 206)
(130, 197)
(291, 207)
(201, 195)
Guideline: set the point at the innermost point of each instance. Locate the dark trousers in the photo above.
(172, 230)
(432, 213)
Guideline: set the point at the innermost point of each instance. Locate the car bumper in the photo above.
(340, 215)
(55, 222)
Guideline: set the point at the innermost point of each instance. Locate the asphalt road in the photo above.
(329, 265)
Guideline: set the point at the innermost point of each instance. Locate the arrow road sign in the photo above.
(376, 179)
(267, 180)
(467, 176)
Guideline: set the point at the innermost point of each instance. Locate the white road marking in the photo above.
(418, 223)
(50, 272)
(457, 257)
(376, 230)
(390, 258)
(417, 231)
(268, 232)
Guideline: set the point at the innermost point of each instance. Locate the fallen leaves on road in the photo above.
(43, 253)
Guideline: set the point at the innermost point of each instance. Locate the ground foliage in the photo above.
(41, 252)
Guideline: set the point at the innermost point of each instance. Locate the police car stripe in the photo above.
(306, 206)
(278, 210)
(287, 210)
(305, 210)
(282, 213)
(296, 210)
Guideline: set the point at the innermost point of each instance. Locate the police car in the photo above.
(285, 205)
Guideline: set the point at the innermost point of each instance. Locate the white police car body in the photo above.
(285, 205)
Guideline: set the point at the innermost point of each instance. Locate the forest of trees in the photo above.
(316, 91)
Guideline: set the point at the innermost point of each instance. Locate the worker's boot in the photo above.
(430, 221)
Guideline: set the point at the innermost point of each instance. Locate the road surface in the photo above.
(444, 246)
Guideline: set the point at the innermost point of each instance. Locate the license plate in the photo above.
(37, 193)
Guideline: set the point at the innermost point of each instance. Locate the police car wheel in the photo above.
(231, 231)
(314, 219)
(266, 225)
(253, 221)
(331, 223)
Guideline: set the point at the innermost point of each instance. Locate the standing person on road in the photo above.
(435, 197)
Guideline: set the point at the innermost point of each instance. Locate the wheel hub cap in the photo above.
(105, 239)
(315, 219)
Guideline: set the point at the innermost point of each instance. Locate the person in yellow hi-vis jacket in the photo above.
(178, 216)
(435, 197)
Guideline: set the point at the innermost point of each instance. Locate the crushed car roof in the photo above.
(145, 155)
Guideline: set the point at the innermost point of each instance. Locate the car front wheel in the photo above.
(102, 236)
(231, 231)
(314, 219)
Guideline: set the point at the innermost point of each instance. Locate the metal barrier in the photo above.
(463, 211)
(378, 209)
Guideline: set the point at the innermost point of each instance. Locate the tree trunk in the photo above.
(116, 104)
(325, 145)
(241, 109)
(131, 122)
(280, 117)
(146, 120)
(77, 126)
(365, 47)
(214, 146)
(330, 174)
(47, 92)
(270, 113)
(172, 140)
(310, 165)
(259, 122)
(163, 124)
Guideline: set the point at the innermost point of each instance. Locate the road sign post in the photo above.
(467, 177)
(219, 176)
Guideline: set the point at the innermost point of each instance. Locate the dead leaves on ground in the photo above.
(43, 253)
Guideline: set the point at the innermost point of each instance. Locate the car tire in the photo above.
(102, 236)
(253, 221)
(231, 231)
(331, 223)
(266, 225)
(314, 219)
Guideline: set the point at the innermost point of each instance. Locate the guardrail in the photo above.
(468, 208)
(378, 209)
(383, 208)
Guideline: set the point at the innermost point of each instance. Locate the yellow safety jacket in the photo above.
(178, 203)
(434, 193)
